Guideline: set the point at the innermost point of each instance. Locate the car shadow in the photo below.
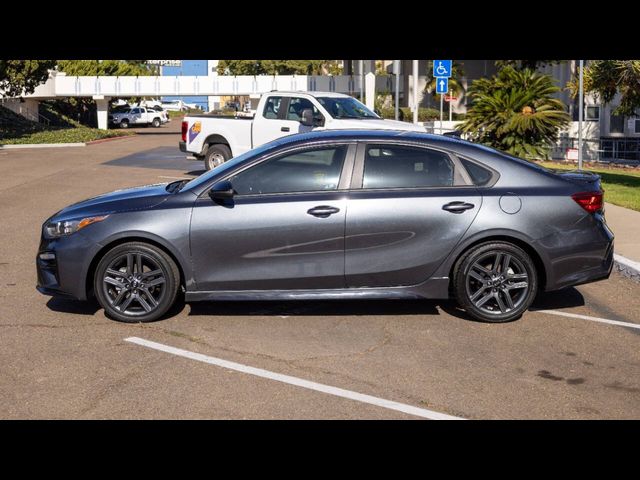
(76, 307)
(565, 298)
(196, 173)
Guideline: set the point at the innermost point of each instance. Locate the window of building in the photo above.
(637, 125)
(592, 113)
(616, 124)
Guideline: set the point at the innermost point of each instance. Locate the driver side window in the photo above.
(311, 170)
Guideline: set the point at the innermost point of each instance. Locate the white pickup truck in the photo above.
(137, 116)
(215, 139)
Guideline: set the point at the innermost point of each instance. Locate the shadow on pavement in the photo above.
(196, 173)
(565, 298)
(316, 307)
(76, 307)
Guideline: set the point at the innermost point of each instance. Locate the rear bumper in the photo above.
(182, 146)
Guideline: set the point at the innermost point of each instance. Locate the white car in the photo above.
(137, 116)
(174, 106)
(216, 139)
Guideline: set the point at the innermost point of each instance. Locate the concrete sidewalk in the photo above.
(625, 224)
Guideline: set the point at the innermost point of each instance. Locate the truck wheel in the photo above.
(216, 155)
(156, 122)
(124, 124)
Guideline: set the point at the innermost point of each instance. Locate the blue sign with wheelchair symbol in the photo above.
(442, 68)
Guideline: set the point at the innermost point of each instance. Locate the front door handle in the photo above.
(284, 129)
(457, 207)
(322, 211)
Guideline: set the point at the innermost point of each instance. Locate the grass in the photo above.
(621, 185)
(15, 129)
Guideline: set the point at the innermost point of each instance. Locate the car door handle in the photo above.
(457, 207)
(284, 129)
(322, 211)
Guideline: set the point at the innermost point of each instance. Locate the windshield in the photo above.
(205, 177)
(341, 107)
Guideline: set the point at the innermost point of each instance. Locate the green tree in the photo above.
(276, 67)
(526, 64)
(456, 88)
(106, 67)
(515, 112)
(606, 78)
(21, 77)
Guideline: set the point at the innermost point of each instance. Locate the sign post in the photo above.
(581, 112)
(442, 73)
(396, 70)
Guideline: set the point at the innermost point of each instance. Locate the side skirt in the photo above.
(435, 288)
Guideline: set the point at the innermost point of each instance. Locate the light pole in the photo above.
(415, 91)
(580, 115)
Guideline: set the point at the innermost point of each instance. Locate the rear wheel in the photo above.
(156, 122)
(136, 282)
(216, 155)
(495, 282)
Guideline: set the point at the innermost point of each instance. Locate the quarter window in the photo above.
(303, 171)
(480, 176)
(272, 107)
(406, 167)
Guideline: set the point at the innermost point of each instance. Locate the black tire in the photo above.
(124, 124)
(156, 122)
(487, 292)
(119, 282)
(216, 155)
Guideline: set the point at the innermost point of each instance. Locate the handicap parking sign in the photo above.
(442, 68)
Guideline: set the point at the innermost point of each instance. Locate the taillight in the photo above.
(185, 127)
(591, 201)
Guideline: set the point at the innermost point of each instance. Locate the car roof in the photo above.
(310, 93)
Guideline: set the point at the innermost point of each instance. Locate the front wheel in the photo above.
(495, 282)
(216, 155)
(124, 124)
(136, 282)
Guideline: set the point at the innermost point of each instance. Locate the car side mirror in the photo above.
(222, 190)
(307, 117)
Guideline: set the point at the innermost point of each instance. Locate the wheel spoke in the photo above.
(144, 303)
(129, 263)
(119, 297)
(152, 273)
(507, 297)
(152, 301)
(496, 262)
(476, 295)
(154, 282)
(518, 276)
(505, 264)
(513, 286)
(116, 273)
(126, 303)
(138, 263)
(484, 299)
(477, 276)
(481, 269)
(501, 304)
(114, 282)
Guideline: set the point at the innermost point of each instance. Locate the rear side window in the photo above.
(480, 176)
(272, 107)
(388, 166)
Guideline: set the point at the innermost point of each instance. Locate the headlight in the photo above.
(67, 227)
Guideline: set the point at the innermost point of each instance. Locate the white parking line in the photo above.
(299, 382)
(592, 319)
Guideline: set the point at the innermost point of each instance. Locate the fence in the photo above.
(606, 150)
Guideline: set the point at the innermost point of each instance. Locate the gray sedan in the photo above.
(335, 215)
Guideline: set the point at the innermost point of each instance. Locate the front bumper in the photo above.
(62, 265)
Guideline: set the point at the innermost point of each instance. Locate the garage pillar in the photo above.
(102, 103)
(370, 90)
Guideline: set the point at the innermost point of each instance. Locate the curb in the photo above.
(627, 267)
(102, 140)
(41, 145)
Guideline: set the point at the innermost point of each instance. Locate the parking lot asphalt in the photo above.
(65, 359)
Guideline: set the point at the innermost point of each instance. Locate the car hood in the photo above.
(376, 124)
(137, 198)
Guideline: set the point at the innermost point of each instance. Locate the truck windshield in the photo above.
(339, 107)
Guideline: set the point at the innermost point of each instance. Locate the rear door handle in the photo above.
(284, 129)
(457, 207)
(323, 211)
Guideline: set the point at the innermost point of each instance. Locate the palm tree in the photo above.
(606, 78)
(515, 112)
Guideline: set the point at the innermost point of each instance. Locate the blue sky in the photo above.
(189, 67)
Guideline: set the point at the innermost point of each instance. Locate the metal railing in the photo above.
(605, 150)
